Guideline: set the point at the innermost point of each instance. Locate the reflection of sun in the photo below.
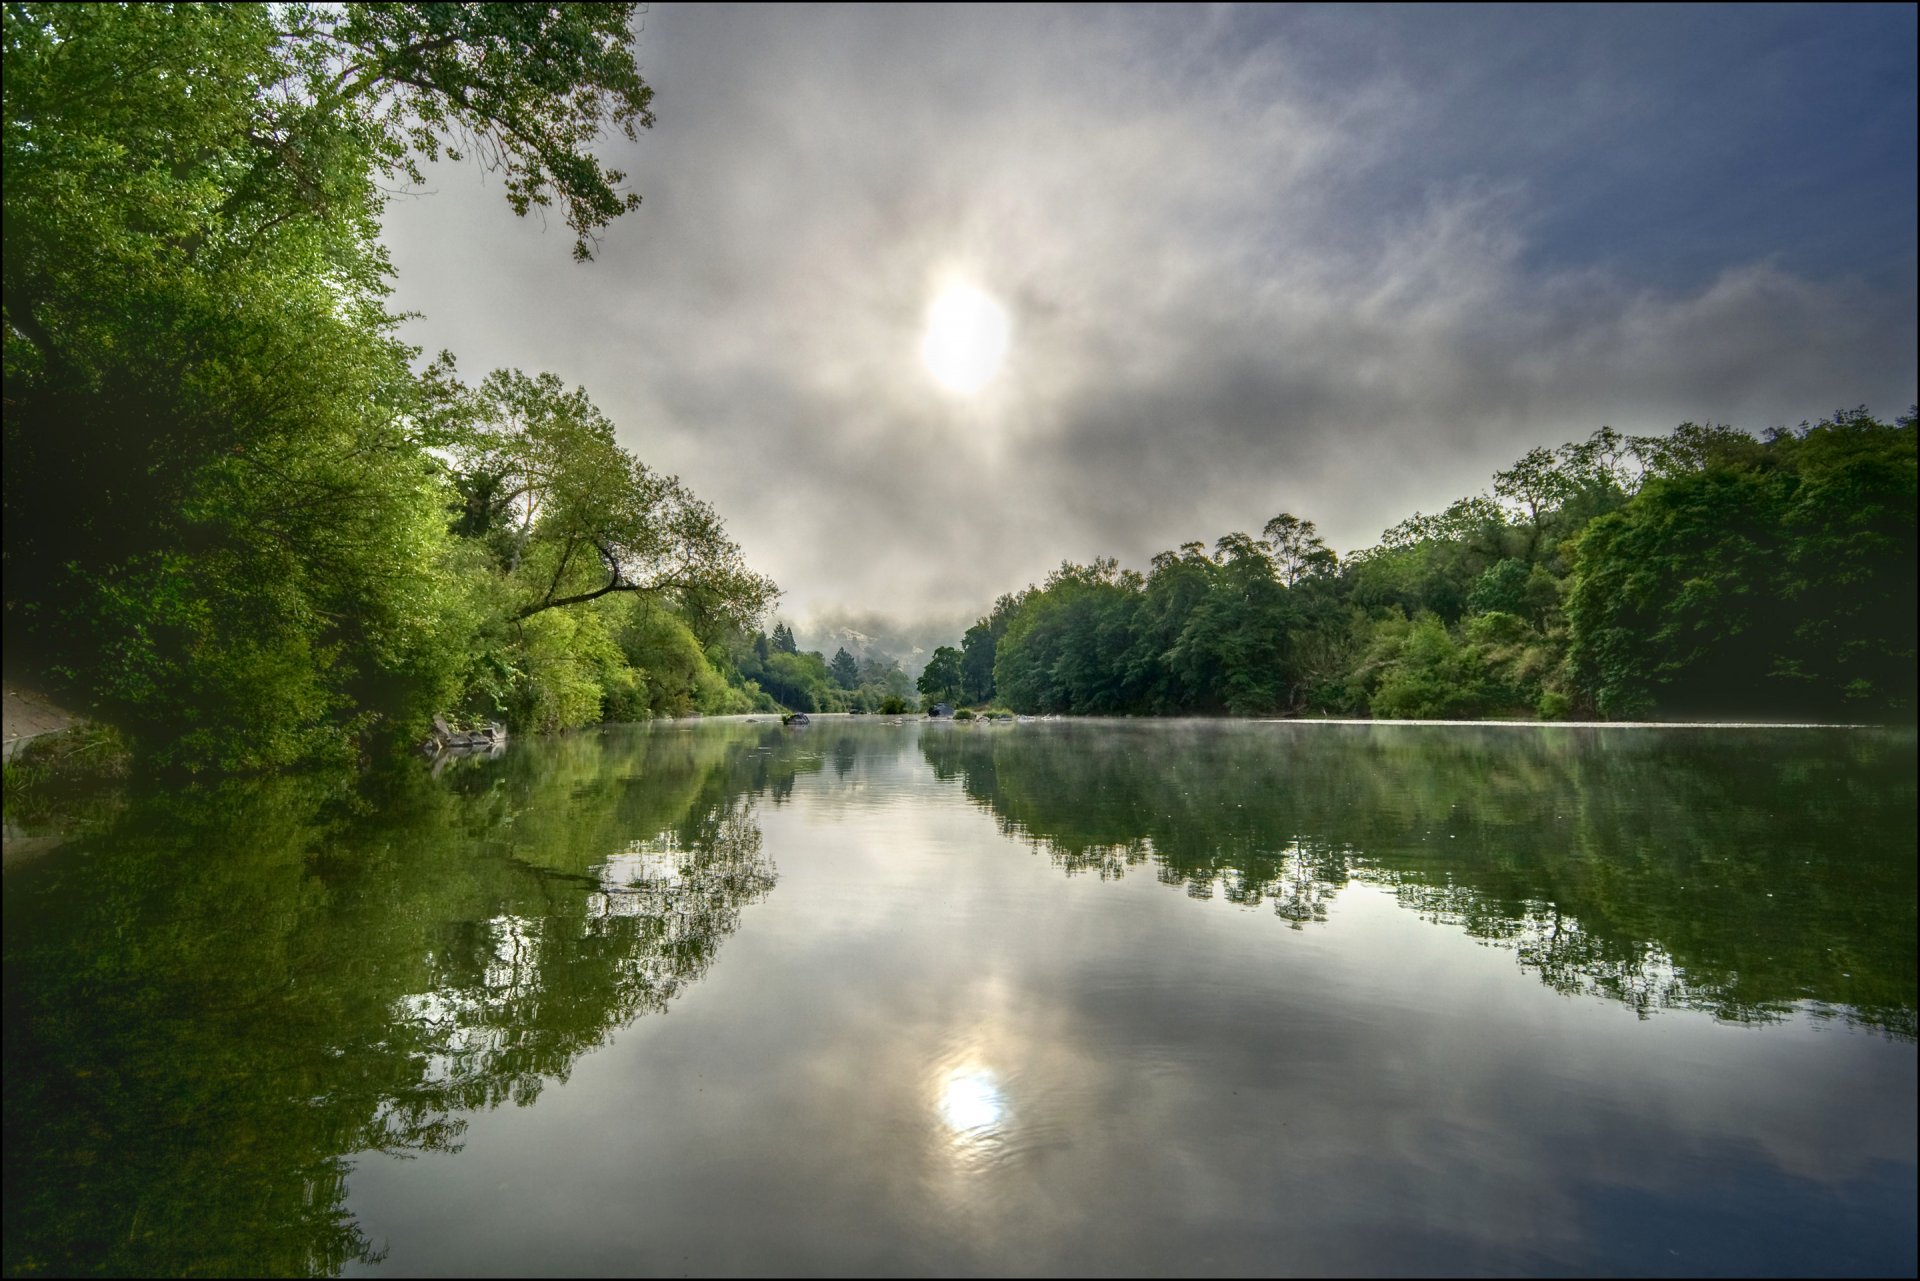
(966, 338)
(971, 1100)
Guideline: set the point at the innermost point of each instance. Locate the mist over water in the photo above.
(908, 638)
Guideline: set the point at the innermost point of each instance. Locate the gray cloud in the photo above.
(1225, 299)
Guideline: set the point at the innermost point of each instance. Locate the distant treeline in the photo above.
(1704, 573)
(807, 681)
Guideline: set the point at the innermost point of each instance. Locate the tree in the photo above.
(1514, 587)
(178, 175)
(941, 677)
(976, 662)
(1776, 575)
(220, 508)
(783, 641)
(1298, 549)
(526, 89)
(600, 520)
(1708, 572)
(845, 670)
(1232, 651)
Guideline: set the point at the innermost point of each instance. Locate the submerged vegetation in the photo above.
(1705, 573)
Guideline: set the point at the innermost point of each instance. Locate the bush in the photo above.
(563, 657)
(1432, 678)
(624, 696)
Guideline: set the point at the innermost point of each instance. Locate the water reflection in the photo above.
(214, 998)
(970, 1102)
(950, 1058)
(1748, 875)
(973, 1108)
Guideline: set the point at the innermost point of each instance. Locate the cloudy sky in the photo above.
(1343, 262)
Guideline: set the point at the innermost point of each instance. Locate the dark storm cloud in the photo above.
(1338, 262)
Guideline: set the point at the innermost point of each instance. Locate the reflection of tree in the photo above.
(1567, 956)
(215, 1001)
(518, 998)
(1736, 872)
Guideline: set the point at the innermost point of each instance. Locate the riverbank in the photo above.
(28, 714)
(58, 765)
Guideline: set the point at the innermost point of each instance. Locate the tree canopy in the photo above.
(239, 514)
(1702, 573)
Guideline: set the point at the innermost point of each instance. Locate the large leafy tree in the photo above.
(1297, 549)
(978, 648)
(524, 88)
(1067, 644)
(940, 679)
(572, 516)
(219, 508)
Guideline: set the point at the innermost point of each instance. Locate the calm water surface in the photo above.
(1135, 998)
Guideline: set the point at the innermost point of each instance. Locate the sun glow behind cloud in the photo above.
(1296, 284)
(965, 340)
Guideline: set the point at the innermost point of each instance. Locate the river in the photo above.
(1127, 998)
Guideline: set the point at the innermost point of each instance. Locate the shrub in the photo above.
(1553, 706)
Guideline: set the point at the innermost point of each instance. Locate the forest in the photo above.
(250, 526)
(1701, 574)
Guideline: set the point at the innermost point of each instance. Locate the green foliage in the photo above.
(227, 488)
(1298, 550)
(527, 90)
(940, 679)
(846, 672)
(673, 673)
(807, 682)
(300, 919)
(566, 657)
(1775, 575)
(572, 516)
(1514, 587)
(1431, 676)
(798, 681)
(53, 771)
(978, 648)
(1701, 572)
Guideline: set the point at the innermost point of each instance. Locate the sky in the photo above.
(1344, 262)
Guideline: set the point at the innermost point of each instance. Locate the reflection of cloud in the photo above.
(931, 1053)
(664, 902)
(1291, 815)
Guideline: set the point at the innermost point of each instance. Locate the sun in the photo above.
(966, 339)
